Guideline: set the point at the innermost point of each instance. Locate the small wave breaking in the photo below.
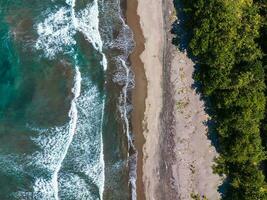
(125, 78)
(80, 140)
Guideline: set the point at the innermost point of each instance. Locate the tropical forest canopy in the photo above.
(228, 40)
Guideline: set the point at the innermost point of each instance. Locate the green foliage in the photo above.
(227, 38)
(198, 197)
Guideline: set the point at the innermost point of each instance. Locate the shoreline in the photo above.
(149, 21)
(145, 18)
(175, 155)
(139, 92)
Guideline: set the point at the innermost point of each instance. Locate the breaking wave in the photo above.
(125, 78)
(77, 145)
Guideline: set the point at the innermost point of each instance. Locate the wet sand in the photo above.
(140, 91)
(151, 23)
(175, 154)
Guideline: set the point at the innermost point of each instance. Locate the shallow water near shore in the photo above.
(64, 104)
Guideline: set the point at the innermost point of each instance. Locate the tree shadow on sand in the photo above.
(182, 35)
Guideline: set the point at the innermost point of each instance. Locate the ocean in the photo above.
(65, 84)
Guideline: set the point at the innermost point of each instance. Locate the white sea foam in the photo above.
(124, 101)
(125, 110)
(88, 24)
(86, 21)
(67, 184)
(56, 33)
(54, 143)
(80, 141)
(73, 114)
(78, 145)
(125, 78)
(85, 154)
(126, 37)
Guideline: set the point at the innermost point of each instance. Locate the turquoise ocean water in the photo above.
(64, 106)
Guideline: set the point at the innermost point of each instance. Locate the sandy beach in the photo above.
(146, 115)
(151, 21)
(175, 155)
(139, 92)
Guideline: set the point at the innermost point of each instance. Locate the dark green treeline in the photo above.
(263, 44)
(227, 38)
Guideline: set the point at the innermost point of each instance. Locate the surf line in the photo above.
(73, 114)
(132, 152)
(93, 36)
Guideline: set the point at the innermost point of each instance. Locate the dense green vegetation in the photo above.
(263, 43)
(227, 39)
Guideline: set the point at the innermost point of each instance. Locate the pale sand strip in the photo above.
(192, 171)
(178, 155)
(194, 154)
(151, 20)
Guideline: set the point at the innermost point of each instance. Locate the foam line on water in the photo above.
(73, 114)
(88, 24)
(124, 111)
(56, 33)
(102, 162)
(125, 78)
(85, 155)
(54, 143)
(131, 158)
(66, 143)
(125, 42)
